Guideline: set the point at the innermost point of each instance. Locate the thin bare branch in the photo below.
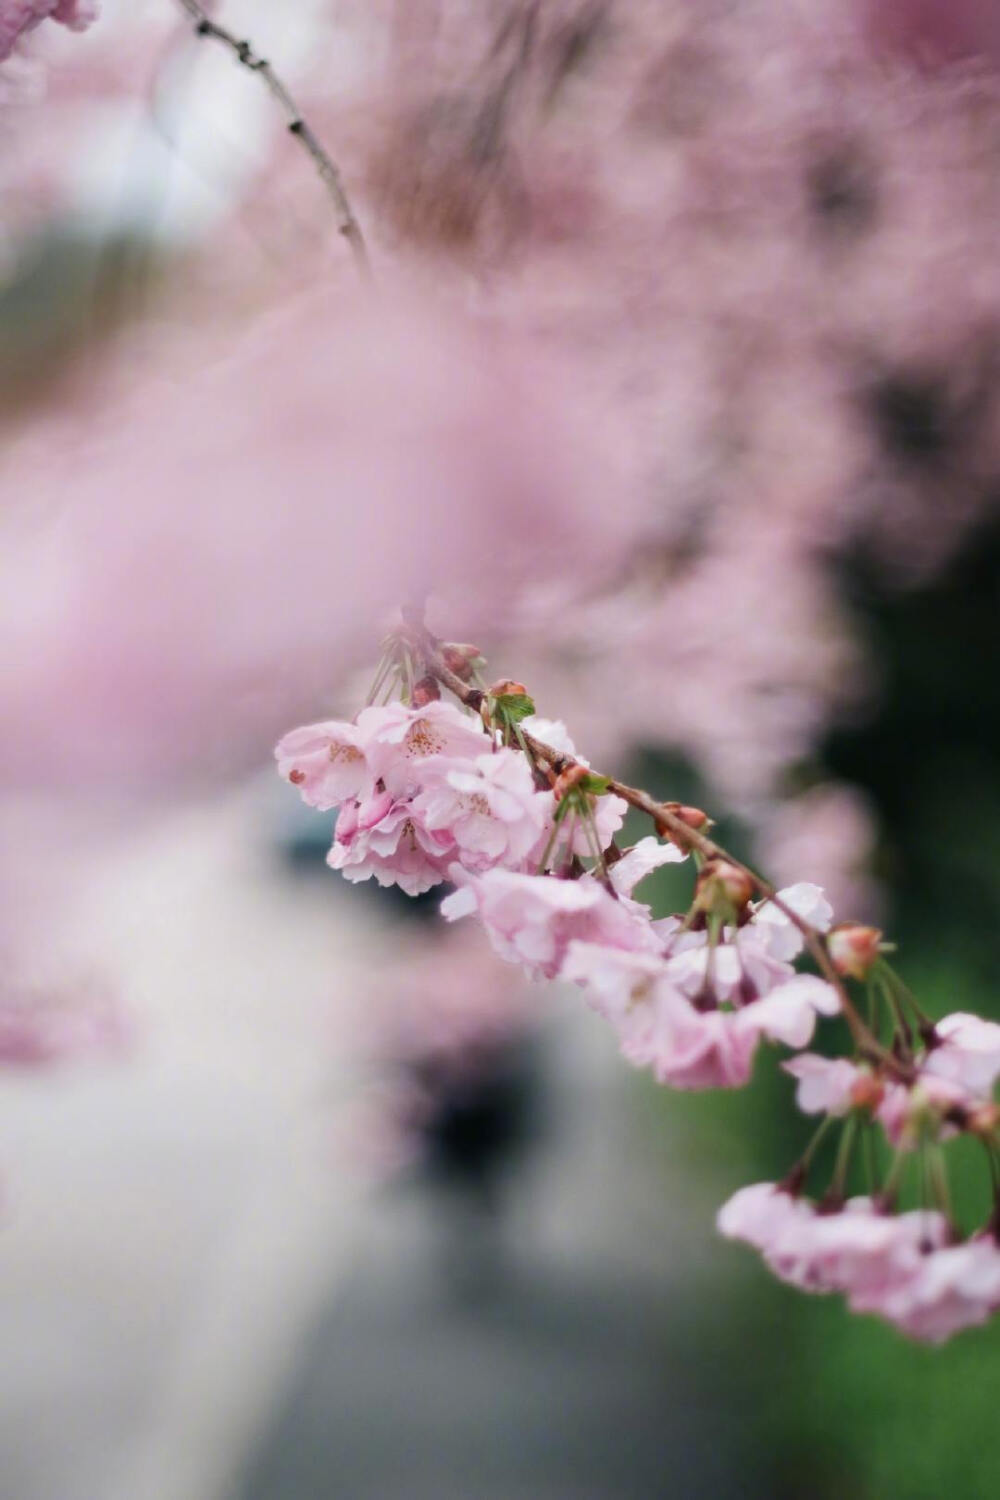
(329, 174)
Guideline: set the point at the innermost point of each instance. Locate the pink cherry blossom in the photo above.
(909, 1112)
(657, 1026)
(620, 985)
(665, 1007)
(825, 1084)
(692, 1049)
(948, 1288)
(384, 838)
(326, 762)
(489, 806)
(858, 1250)
(737, 969)
(788, 1014)
(758, 1214)
(552, 732)
(968, 1054)
(808, 902)
(532, 919)
(748, 962)
(397, 739)
(642, 859)
(608, 810)
(609, 814)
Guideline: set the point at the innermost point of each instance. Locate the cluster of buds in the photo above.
(488, 797)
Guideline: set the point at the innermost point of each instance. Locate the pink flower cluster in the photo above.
(425, 795)
(953, 1079)
(909, 1268)
(527, 836)
(20, 16)
(690, 1009)
(903, 1267)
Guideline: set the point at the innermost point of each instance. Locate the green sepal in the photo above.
(595, 786)
(512, 707)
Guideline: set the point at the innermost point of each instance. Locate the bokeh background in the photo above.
(677, 385)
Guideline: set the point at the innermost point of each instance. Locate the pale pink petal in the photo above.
(825, 1084)
(788, 1014)
(641, 860)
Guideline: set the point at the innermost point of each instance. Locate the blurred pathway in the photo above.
(173, 1218)
(202, 1301)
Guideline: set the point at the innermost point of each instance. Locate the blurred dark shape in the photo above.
(66, 294)
(937, 428)
(303, 848)
(573, 42)
(930, 755)
(486, 1112)
(918, 419)
(481, 1114)
(841, 188)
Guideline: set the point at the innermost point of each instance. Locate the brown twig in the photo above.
(327, 169)
(664, 816)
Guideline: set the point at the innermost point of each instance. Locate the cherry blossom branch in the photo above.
(667, 818)
(524, 833)
(298, 126)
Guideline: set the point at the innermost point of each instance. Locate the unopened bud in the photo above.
(854, 949)
(691, 817)
(983, 1120)
(568, 779)
(506, 688)
(867, 1092)
(723, 888)
(461, 658)
(425, 691)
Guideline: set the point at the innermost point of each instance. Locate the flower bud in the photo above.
(425, 691)
(723, 889)
(867, 1092)
(461, 658)
(692, 817)
(506, 688)
(854, 949)
(568, 779)
(983, 1120)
